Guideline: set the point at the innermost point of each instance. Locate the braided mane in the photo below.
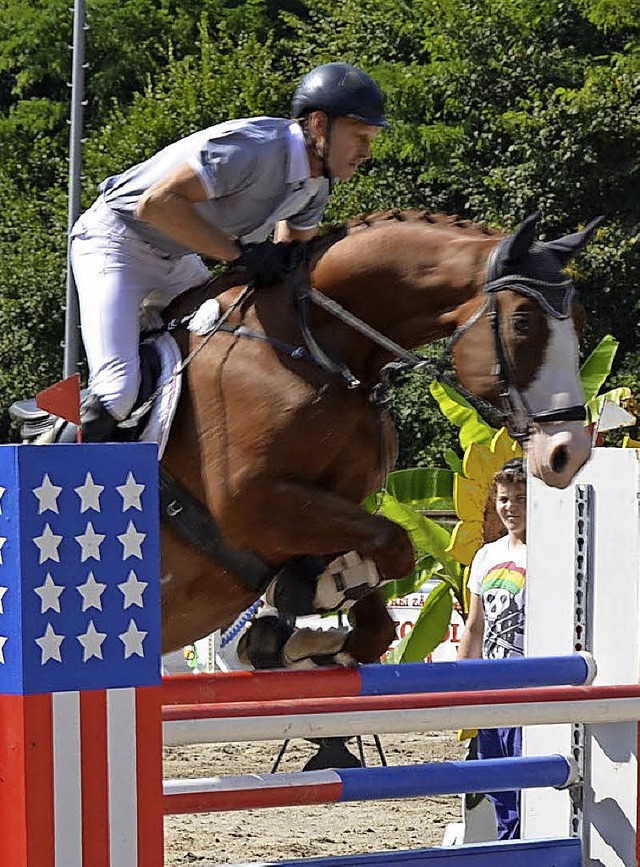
(335, 233)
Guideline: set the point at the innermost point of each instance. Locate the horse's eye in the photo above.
(521, 324)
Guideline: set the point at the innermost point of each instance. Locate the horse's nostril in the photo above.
(559, 459)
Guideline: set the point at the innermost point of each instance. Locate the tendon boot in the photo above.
(307, 584)
(98, 425)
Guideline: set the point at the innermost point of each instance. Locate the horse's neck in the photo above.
(413, 285)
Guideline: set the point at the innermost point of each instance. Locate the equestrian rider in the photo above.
(218, 193)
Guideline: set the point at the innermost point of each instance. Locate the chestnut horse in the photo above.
(281, 444)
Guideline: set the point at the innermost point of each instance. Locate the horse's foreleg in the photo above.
(373, 629)
(294, 519)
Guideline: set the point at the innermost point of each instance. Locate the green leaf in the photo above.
(454, 461)
(422, 488)
(429, 629)
(460, 412)
(427, 566)
(597, 367)
(427, 536)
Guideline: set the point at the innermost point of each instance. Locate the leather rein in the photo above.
(515, 411)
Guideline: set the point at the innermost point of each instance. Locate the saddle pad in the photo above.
(168, 387)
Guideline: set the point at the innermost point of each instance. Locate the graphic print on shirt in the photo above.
(503, 604)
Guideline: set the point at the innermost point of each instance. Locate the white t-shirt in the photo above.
(498, 575)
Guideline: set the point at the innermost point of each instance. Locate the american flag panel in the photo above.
(80, 678)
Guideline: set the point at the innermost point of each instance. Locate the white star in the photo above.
(91, 591)
(2, 490)
(49, 593)
(90, 542)
(3, 590)
(3, 641)
(47, 495)
(89, 494)
(91, 640)
(2, 541)
(50, 643)
(132, 640)
(132, 542)
(133, 590)
(48, 544)
(130, 493)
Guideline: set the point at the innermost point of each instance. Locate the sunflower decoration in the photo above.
(478, 522)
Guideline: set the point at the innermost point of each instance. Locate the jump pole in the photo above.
(370, 680)
(80, 719)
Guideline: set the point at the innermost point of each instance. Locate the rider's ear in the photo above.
(566, 248)
(517, 246)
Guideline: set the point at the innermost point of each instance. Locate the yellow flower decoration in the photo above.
(470, 492)
(628, 443)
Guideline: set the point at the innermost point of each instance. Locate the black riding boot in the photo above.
(98, 425)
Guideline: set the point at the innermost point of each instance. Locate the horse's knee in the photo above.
(394, 555)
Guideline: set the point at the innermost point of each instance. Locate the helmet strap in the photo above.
(312, 143)
(327, 146)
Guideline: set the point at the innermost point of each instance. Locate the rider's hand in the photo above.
(267, 263)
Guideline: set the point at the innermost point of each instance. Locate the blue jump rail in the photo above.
(469, 675)
(516, 853)
(452, 778)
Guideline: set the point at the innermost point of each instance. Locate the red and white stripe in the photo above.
(89, 767)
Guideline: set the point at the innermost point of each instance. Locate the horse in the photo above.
(281, 432)
(282, 429)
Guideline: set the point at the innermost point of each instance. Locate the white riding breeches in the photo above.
(115, 271)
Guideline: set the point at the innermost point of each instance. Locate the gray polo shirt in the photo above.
(255, 172)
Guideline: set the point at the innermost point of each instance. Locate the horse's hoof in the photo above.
(315, 648)
(262, 644)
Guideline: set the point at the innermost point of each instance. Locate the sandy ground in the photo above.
(306, 832)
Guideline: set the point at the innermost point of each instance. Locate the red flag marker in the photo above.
(63, 399)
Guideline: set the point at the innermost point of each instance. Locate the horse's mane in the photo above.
(414, 216)
(334, 233)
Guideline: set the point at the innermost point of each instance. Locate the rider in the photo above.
(218, 193)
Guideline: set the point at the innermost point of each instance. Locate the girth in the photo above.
(194, 523)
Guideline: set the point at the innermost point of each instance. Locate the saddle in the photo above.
(35, 422)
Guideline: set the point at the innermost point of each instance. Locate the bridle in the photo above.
(554, 297)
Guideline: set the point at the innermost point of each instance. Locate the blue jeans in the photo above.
(499, 744)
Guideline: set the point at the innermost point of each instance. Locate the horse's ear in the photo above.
(566, 248)
(517, 246)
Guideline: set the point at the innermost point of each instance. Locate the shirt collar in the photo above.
(299, 169)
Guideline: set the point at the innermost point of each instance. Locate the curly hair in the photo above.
(513, 472)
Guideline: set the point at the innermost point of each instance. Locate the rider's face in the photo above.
(349, 143)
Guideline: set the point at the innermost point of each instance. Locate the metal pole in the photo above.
(72, 316)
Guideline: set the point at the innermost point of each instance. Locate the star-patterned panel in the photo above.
(79, 567)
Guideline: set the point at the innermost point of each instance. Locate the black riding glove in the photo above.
(267, 263)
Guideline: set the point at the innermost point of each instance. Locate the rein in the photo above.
(517, 413)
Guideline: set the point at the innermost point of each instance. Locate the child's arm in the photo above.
(470, 646)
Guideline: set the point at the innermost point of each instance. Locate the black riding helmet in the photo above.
(340, 90)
